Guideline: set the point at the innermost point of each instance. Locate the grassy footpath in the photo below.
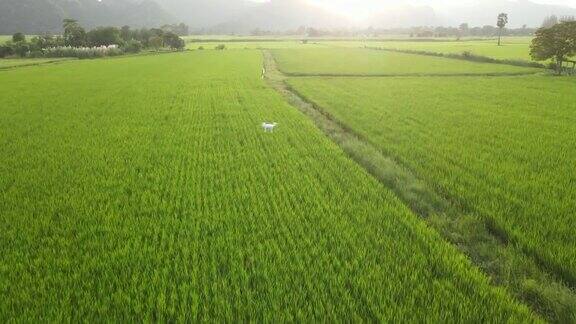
(144, 188)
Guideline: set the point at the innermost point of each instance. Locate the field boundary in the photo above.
(464, 56)
(440, 55)
(396, 75)
(335, 39)
(481, 240)
(56, 61)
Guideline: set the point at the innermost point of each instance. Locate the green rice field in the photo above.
(143, 188)
(367, 62)
(253, 44)
(505, 152)
(513, 48)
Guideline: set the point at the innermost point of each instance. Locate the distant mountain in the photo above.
(40, 16)
(207, 13)
(278, 15)
(243, 16)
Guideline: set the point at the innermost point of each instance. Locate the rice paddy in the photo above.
(367, 62)
(504, 152)
(252, 44)
(143, 188)
(513, 48)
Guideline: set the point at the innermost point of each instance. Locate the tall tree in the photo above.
(173, 41)
(557, 42)
(104, 36)
(18, 37)
(502, 22)
(156, 42)
(74, 34)
(126, 33)
(464, 28)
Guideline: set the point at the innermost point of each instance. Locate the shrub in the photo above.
(132, 46)
(18, 37)
(21, 48)
(221, 47)
(156, 42)
(6, 50)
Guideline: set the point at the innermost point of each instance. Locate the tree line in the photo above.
(101, 41)
(463, 30)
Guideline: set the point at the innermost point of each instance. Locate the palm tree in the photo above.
(502, 21)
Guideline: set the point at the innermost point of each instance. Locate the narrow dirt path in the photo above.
(504, 263)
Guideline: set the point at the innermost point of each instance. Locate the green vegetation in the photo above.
(513, 48)
(96, 43)
(350, 61)
(517, 48)
(251, 44)
(556, 43)
(9, 63)
(144, 188)
(499, 148)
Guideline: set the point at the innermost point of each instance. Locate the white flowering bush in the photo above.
(82, 52)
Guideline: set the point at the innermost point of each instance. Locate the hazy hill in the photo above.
(242, 16)
(39, 16)
(207, 13)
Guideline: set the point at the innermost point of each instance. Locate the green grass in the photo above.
(349, 61)
(500, 147)
(144, 188)
(513, 48)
